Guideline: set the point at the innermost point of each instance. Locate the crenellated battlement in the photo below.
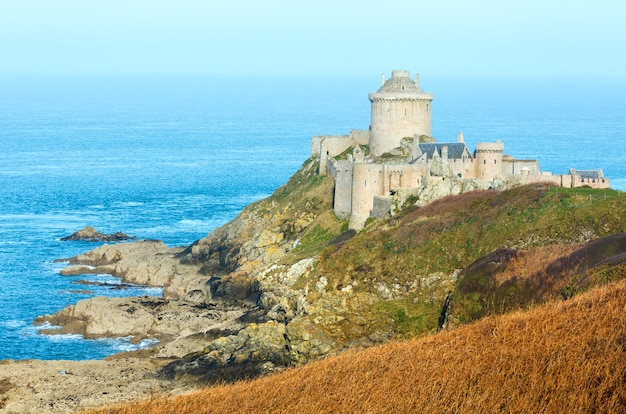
(497, 146)
(400, 73)
(406, 97)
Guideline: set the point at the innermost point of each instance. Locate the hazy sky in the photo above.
(554, 37)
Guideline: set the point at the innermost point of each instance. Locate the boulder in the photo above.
(145, 262)
(142, 317)
(91, 235)
(258, 349)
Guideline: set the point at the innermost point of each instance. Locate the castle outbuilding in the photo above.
(397, 158)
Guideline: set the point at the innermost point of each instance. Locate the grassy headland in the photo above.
(423, 254)
(537, 253)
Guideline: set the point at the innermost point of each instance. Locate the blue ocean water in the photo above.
(172, 158)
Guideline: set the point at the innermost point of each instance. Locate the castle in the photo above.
(397, 158)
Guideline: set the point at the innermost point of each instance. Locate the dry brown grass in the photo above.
(530, 262)
(567, 356)
(508, 279)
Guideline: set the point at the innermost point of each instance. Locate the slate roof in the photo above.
(587, 174)
(456, 150)
(402, 84)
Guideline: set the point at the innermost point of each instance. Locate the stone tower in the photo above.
(488, 160)
(399, 109)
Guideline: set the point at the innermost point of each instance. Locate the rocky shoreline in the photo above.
(233, 306)
(183, 322)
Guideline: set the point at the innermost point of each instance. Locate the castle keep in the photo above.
(399, 109)
(379, 169)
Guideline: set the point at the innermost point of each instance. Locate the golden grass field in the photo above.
(563, 357)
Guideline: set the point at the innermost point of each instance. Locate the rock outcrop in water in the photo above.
(92, 235)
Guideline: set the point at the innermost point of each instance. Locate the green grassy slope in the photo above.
(417, 250)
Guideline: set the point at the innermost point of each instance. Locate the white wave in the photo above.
(129, 203)
(104, 278)
(13, 242)
(58, 219)
(116, 345)
(124, 344)
(35, 328)
(152, 291)
(193, 223)
(65, 264)
(13, 324)
(64, 338)
(55, 267)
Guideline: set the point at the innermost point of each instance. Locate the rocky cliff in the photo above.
(286, 282)
(238, 302)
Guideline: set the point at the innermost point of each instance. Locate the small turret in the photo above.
(488, 156)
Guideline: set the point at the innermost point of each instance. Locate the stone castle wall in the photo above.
(463, 168)
(516, 167)
(342, 171)
(328, 146)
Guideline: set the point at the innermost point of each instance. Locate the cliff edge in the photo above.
(286, 282)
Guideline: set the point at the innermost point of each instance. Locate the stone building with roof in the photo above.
(379, 169)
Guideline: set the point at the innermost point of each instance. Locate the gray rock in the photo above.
(91, 235)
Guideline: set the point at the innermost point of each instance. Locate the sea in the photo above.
(173, 157)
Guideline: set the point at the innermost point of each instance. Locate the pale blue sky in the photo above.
(450, 37)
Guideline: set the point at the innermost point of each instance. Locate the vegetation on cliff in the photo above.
(321, 289)
(450, 233)
(415, 259)
(449, 263)
(567, 356)
(267, 229)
